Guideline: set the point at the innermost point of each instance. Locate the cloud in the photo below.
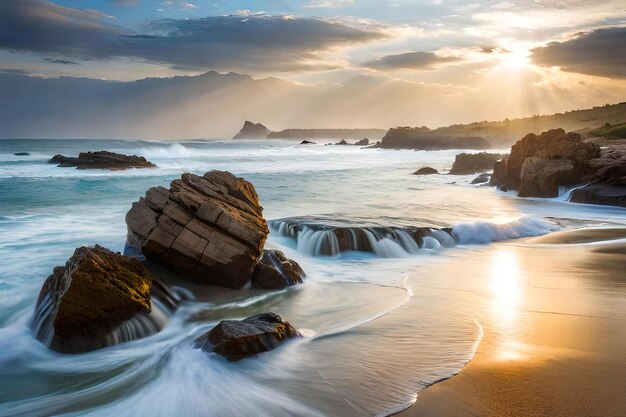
(601, 53)
(409, 61)
(327, 4)
(239, 43)
(61, 61)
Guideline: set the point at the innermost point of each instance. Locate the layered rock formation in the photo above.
(236, 339)
(102, 160)
(471, 163)
(426, 171)
(276, 271)
(99, 298)
(252, 131)
(209, 229)
(422, 138)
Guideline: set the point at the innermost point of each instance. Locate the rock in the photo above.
(498, 178)
(426, 171)
(363, 142)
(207, 229)
(600, 193)
(482, 179)
(608, 186)
(21, 154)
(307, 142)
(252, 131)
(99, 298)
(471, 163)
(542, 177)
(553, 144)
(235, 339)
(422, 138)
(102, 160)
(276, 271)
(342, 142)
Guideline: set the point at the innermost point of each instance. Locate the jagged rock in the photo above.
(21, 153)
(207, 229)
(99, 298)
(236, 339)
(307, 142)
(276, 271)
(542, 177)
(426, 171)
(603, 194)
(471, 163)
(342, 142)
(553, 144)
(252, 131)
(102, 160)
(363, 142)
(482, 179)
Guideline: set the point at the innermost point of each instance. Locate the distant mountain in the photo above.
(252, 131)
(212, 105)
(421, 138)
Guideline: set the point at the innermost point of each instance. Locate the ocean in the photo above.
(379, 326)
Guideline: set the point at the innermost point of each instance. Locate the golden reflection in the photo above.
(506, 288)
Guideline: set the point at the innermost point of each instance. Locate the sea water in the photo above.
(376, 328)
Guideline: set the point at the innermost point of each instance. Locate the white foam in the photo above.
(486, 232)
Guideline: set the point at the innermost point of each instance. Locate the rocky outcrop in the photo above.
(422, 138)
(362, 142)
(99, 298)
(102, 160)
(252, 131)
(307, 142)
(209, 229)
(538, 165)
(310, 134)
(426, 171)
(553, 144)
(276, 271)
(235, 339)
(471, 163)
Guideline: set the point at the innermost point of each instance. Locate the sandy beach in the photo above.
(556, 350)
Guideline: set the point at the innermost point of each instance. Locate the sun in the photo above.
(516, 59)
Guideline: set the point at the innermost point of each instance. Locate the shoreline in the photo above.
(557, 362)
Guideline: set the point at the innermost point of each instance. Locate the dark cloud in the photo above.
(409, 61)
(246, 42)
(61, 61)
(124, 3)
(601, 52)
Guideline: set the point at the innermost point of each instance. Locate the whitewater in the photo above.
(378, 328)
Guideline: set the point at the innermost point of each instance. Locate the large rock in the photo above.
(553, 144)
(99, 298)
(471, 163)
(236, 339)
(252, 131)
(542, 177)
(608, 185)
(276, 271)
(102, 160)
(208, 229)
(603, 194)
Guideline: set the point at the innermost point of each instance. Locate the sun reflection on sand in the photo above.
(505, 284)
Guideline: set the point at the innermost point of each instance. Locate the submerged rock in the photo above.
(471, 163)
(482, 179)
(276, 271)
(99, 298)
(362, 142)
(102, 160)
(426, 171)
(252, 131)
(237, 339)
(208, 229)
(307, 142)
(21, 153)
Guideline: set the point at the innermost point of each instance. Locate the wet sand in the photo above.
(558, 350)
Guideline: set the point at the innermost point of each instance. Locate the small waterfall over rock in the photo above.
(318, 238)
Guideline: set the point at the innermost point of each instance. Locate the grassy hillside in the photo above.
(609, 131)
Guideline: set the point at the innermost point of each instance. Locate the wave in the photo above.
(316, 237)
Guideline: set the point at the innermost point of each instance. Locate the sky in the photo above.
(519, 56)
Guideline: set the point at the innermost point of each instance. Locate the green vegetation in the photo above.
(609, 131)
